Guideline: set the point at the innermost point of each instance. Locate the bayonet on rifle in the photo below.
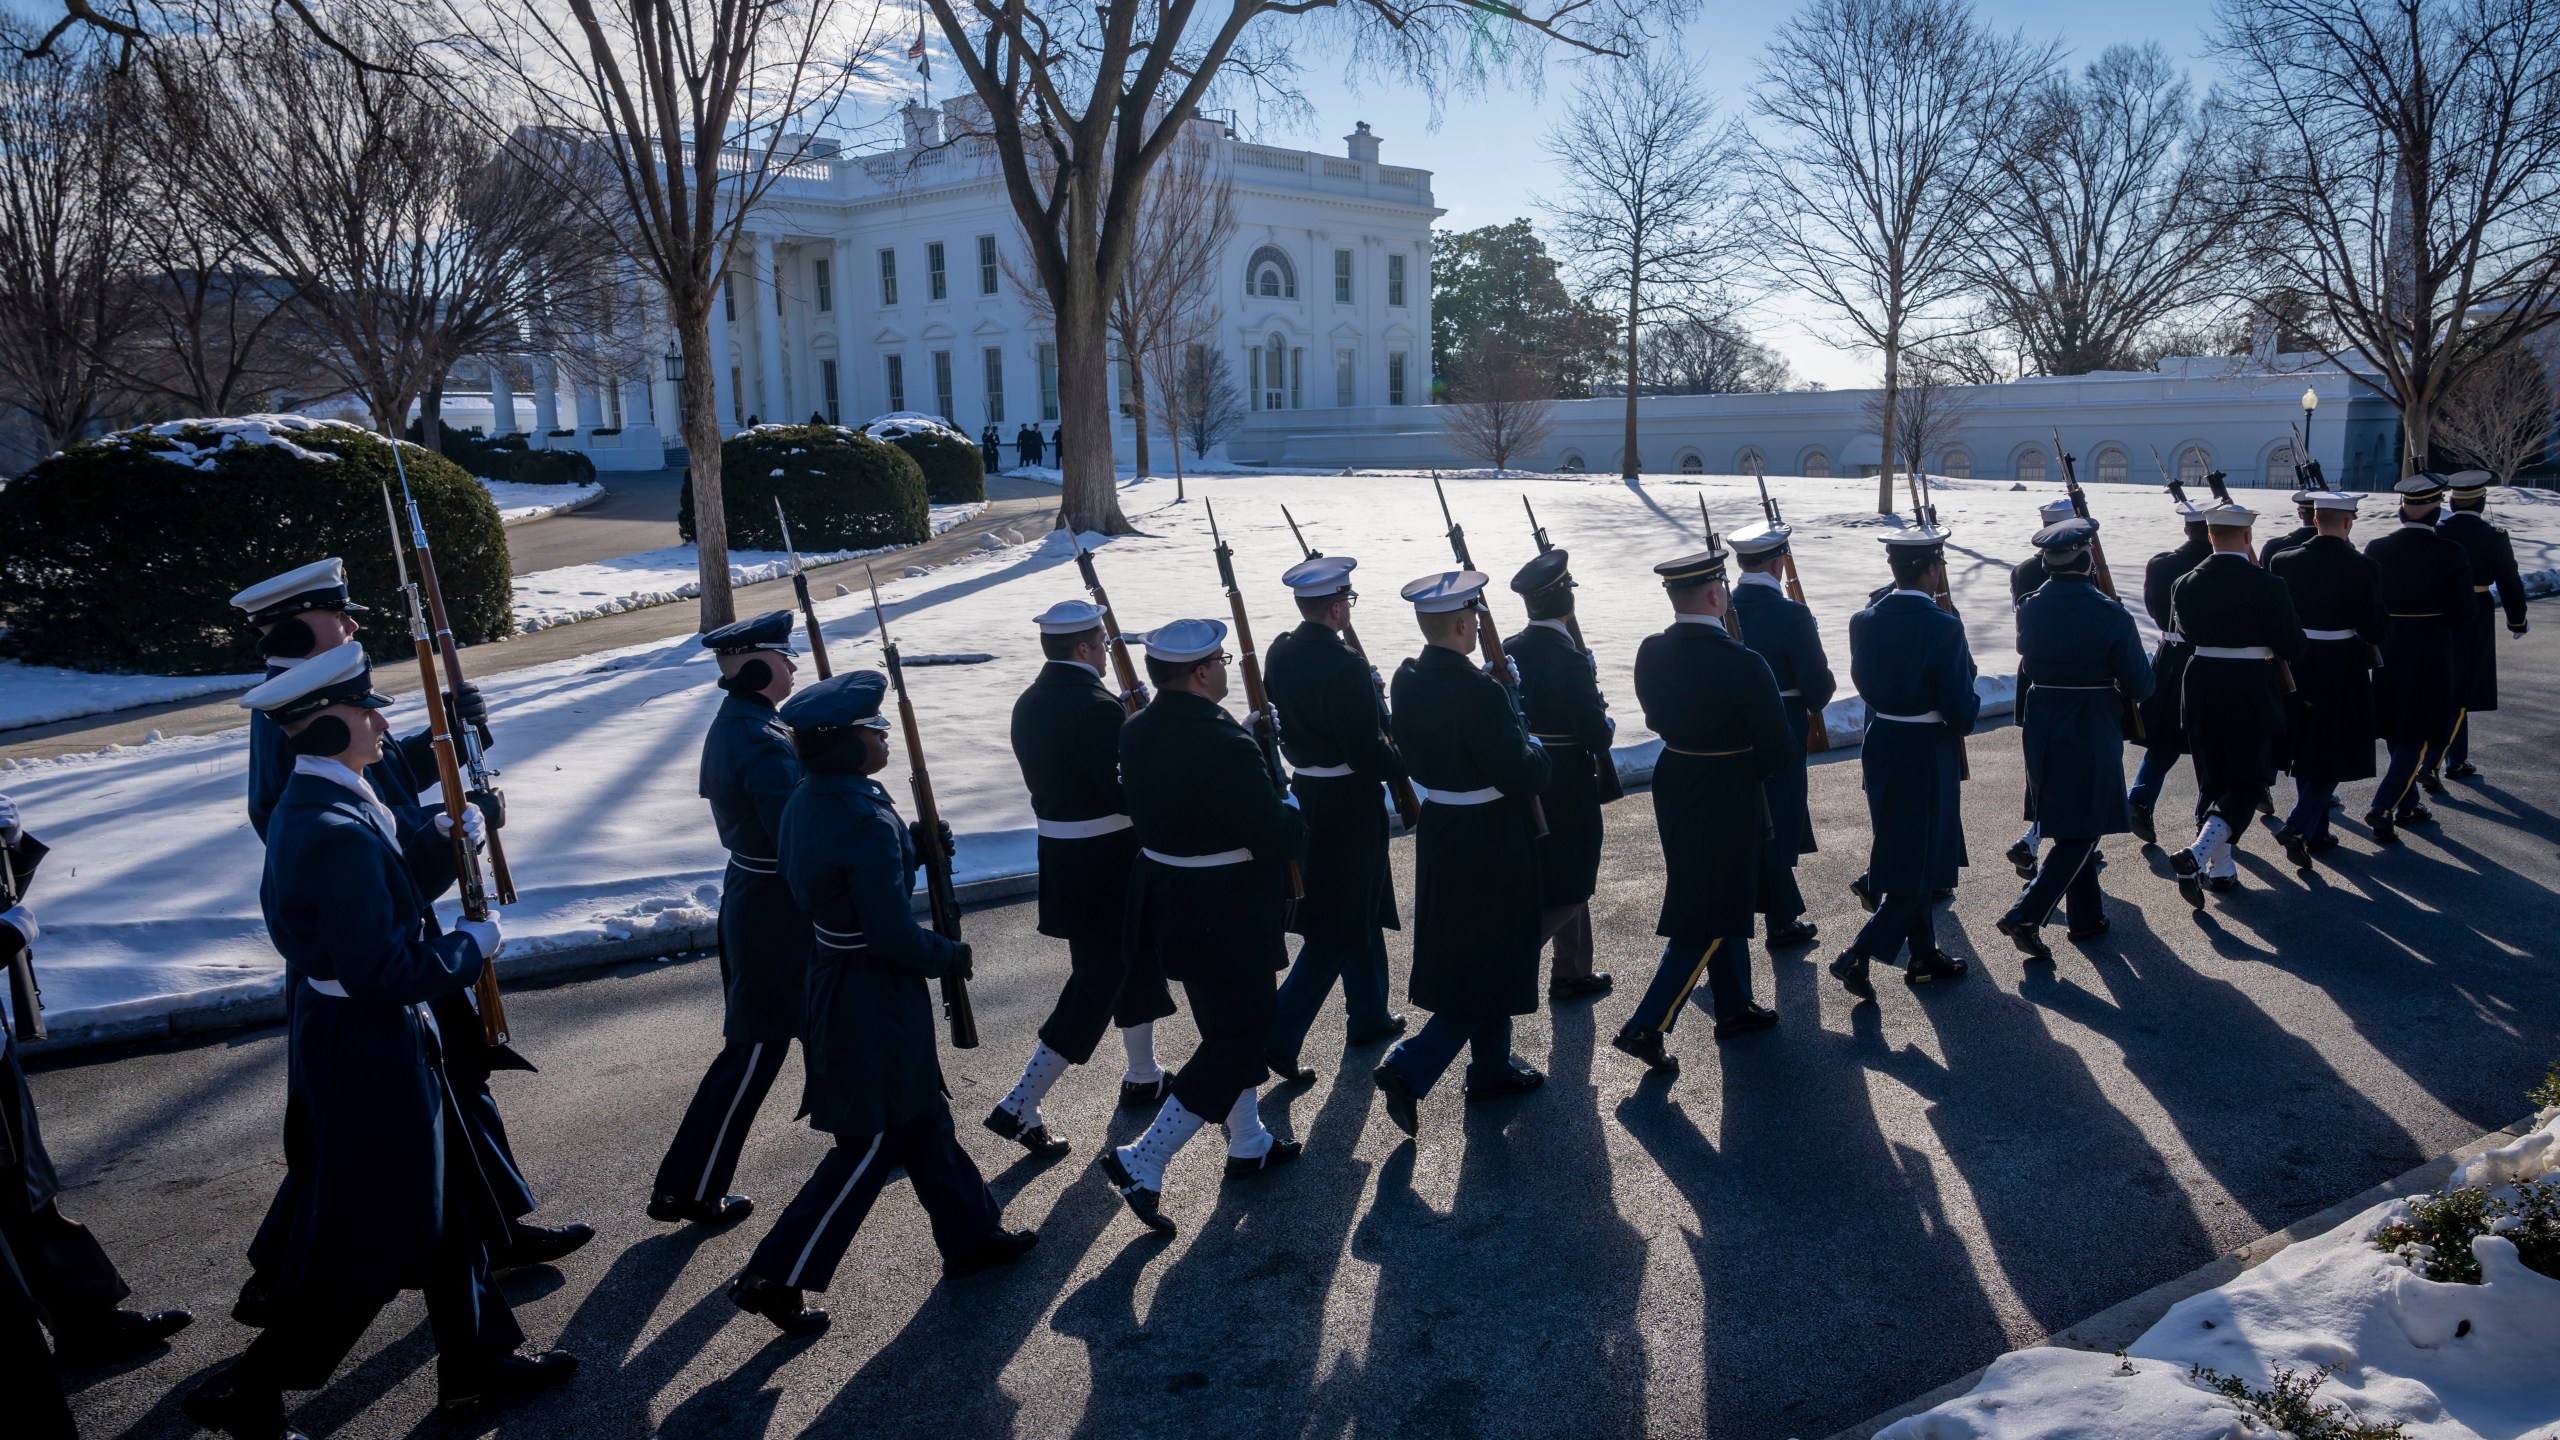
(942, 897)
(800, 587)
(1133, 695)
(1399, 788)
(1488, 639)
(1266, 726)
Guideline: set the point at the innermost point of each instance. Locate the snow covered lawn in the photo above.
(42, 694)
(518, 503)
(654, 577)
(150, 900)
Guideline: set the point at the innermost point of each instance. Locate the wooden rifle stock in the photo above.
(942, 897)
(1489, 641)
(800, 587)
(1133, 696)
(1399, 788)
(468, 746)
(1265, 725)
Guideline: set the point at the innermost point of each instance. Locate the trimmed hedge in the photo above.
(843, 489)
(509, 458)
(123, 553)
(954, 472)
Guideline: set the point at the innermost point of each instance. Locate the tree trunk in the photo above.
(701, 420)
(1138, 414)
(2416, 434)
(1089, 499)
(1886, 447)
(431, 415)
(1629, 466)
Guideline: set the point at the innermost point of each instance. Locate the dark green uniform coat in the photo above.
(1475, 906)
(1724, 731)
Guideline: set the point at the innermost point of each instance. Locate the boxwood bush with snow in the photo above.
(123, 552)
(954, 472)
(843, 490)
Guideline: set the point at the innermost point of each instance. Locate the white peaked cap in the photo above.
(335, 676)
(1178, 641)
(1442, 593)
(2229, 515)
(1069, 617)
(1319, 576)
(319, 575)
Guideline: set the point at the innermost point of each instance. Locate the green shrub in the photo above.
(509, 458)
(844, 490)
(2436, 1238)
(954, 472)
(122, 553)
(2546, 1095)
(2288, 1406)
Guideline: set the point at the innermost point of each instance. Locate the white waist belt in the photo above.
(2172, 637)
(840, 939)
(1798, 694)
(1323, 772)
(1083, 829)
(2234, 652)
(1198, 862)
(2329, 634)
(1485, 796)
(1930, 718)
(755, 864)
(326, 987)
(2040, 685)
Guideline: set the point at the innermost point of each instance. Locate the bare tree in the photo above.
(1102, 92)
(1647, 166)
(1202, 401)
(1708, 354)
(2408, 178)
(1928, 415)
(1883, 120)
(2500, 417)
(1509, 409)
(2112, 211)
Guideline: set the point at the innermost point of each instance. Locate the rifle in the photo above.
(1490, 641)
(1132, 694)
(472, 743)
(941, 897)
(1399, 788)
(800, 585)
(1732, 620)
(1266, 726)
(1603, 767)
(2131, 714)
(26, 1005)
(1944, 595)
(1817, 735)
(440, 730)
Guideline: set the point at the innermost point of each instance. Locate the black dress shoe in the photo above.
(1752, 1020)
(1936, 965)
(2430, 782)
(121, 1335)
(2461, 770)
(1517, 1079)
(1868, 900)
(1289, 1070)
(222, 1406)
(2028, 938)
(2266, 804)
(510, 1376)
(1943, 892)
(1794, 933)
(2190, 875)
(1140, 1094)
(541, 1244)
(1404, 1103)
(1646, 1045)
(1392, 1027)
(1034, 1138)
(2296, 849)
(1146, 1204)
(1280, 1153)
(2022, 858)
(782, 1304)
(727, 1210)
(1002, 1248)
(2379, 822)
(2222, 884)
(2412, 815)
(1580, 987)
(2082, 934)
(1851, 969)
(256, 1307)
(2143, 830)
(2319, 843)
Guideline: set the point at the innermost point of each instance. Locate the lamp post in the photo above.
(2310, 402)
(675, 369)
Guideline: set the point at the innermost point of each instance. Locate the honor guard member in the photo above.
(1066, 738)
(2024, 579)
(2337, 594)
(2427, 586)
(1340, 761)
(867, 1027)
(749, 773)
(1560, 699)
(1208, 904)
(1475, 857)
(2306, 519)
(392, 1195)
(1724, 734)
(1782, 632)
(2493, 564)
(53, 1272)
(307, 611)
(1909, 662)
(2080, 664)
(2164, 737)
(2241, 632)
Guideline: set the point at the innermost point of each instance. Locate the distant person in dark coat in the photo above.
(991, 448)
(2430, 591)
(2080, 664)
(1782, 632)
(2337, 594)
(2495, 584)
(2239, 623)
(2164, 738)
(875, 1074)
(1560, 698)
(1026, 446)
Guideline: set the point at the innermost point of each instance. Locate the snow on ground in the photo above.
(654, 577)
(2445, 1361)
(518, 503)
(42, 694)
(151, 895)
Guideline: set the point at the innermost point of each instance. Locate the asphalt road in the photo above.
(638, 512)
(1806, 1228)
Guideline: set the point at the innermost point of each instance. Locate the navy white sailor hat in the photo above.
(1185, 642)
(1761, 539)
(1699, 569)
(2055, 512)
(339, 675)
(1320, 577)
(1930, 535)
(2228, 515)
(2469, 484)
(1069, 617)
(2305, 499)
(2422, 488)
(1445, 592)
(850, 699)
(1546, 572)
(2187, 508)
(2334, 500)
(2066, 534)
(320, 585)
(769, 631)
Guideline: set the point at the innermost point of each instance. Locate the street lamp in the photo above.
(2310, 402)
(675, 366)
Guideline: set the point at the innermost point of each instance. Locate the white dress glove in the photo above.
(22, 920)
(475, 826)
(9, 830)
(1290, 799)
(484, 933)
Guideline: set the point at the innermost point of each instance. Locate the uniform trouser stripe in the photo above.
(704, 1153)
(801, 1264)
(1680, 997)
(728, 1117)
(2411, 779)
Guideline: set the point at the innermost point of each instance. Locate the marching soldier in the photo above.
(749, 773)
(1208, 904)
(2080, 663)
(867, 1025)
(1782, 632)
(2306, 517)
(1560, 699)
(1066, 739)
(1724, 733)
(391, 1196)
(2337, 593)
(2025, 578)
(2493, 564)
(1475, 861)
(2427, 586)
(2241, 631)
(1340, 759)
(2164, 736)
(1910, 664)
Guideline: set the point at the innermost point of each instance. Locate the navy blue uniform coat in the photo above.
(2076, 649)
(1066, 739)
(1783, 633)
(2329, 715)
(1724, 732)
(1198, 785)
(2493, 562)
(1332, 714)
(1908, 657)
(1475, 904)
(2426, 585)
(749, 773)
(2162, 724)
(1561, 698)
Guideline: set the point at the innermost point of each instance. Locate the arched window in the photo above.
(1269, 275)
(2029, 466)
(2113, 465)
(2280, 464)
(2192, 465)
(1571, 463)
(1750, 461)
(1956, 465)
(1817, 465)
(1691, 463)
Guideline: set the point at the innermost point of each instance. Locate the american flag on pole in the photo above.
(915, 52)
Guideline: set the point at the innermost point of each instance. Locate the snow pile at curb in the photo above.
(42, 694)
(2444, 1361)
(519, 503)
(656, 577)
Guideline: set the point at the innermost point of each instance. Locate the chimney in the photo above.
(924, 124)
(1363, 145)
